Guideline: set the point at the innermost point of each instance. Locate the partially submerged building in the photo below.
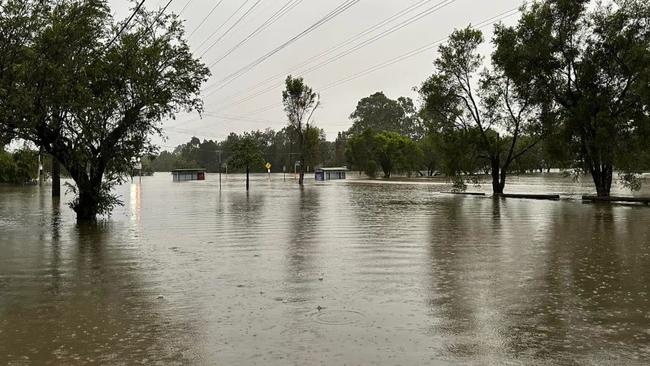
(334, 173)
(183, 175)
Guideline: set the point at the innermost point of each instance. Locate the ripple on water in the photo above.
(338, 317)
(409, 276)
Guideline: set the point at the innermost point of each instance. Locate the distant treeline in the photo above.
(21, 166)
(387, 136)
(277, 148)
(567, 85)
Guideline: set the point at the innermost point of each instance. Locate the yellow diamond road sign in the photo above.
(268, 165)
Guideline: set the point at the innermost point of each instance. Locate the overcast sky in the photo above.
(253, 100)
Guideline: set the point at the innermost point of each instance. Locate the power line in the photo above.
(231, 27)
(336, 47)
(385, 33)
(137, 9)
(222, 24)
(337, 11)
(417, 51)
(223, 116)
(407, 55)
(163, 9)
(158, 15)
(287, 7)
(185, 6)
(205, 18)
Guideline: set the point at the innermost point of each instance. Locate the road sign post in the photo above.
(220, 168)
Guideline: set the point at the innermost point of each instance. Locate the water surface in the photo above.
(349, 272)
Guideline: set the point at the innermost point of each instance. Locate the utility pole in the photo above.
(40, 166)
(219, 152)
(294, 165)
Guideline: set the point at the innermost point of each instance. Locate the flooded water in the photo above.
(347, 272)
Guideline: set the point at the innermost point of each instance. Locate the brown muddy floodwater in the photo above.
(347, 272)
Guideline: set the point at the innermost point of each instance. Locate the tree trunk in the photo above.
(89, 186)
(247, 180)
(387, 167)
(301, 174)
(498, 177)
(88, 205)
(56, 178)
(602, 176)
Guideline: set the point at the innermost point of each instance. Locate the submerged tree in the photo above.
(483, 107)
(18, 167)
(593, 65)
(91, 92)
(246, 153)
(300, 102)
(380, 113)
(388, 151)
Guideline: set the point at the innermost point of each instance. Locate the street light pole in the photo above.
(294, 165)
(219, 151)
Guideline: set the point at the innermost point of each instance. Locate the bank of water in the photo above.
(349, 272)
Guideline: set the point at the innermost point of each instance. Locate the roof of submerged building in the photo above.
(329, 169)
(188, 170)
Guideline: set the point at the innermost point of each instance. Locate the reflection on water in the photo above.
(343, 272)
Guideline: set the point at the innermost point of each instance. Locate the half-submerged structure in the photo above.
(336, 173)
(183, 175)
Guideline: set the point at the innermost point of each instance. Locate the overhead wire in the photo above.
(221, 116)
(163, 9)
(222, 25)
(438, 6)
(205, 18)
(185, 6)
(334, 13)
(158, 16)
(336, 47)
(231, 27)
(286, 8)
(137, 9)
(400, 58)
(480, 25)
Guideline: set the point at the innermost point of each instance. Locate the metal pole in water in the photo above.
(40, 166)
(220, 167)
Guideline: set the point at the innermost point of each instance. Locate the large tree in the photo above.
(592, 62)
(481, 104)
(300, 102)
(380, 113)
(385, 150)
(91, 91)
(246, 154)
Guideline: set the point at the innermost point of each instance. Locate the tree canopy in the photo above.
(465, 99)
(380, 113)
(300, 102)
(590, 66)
(385, 150)
(92, 93)
(246, 153)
